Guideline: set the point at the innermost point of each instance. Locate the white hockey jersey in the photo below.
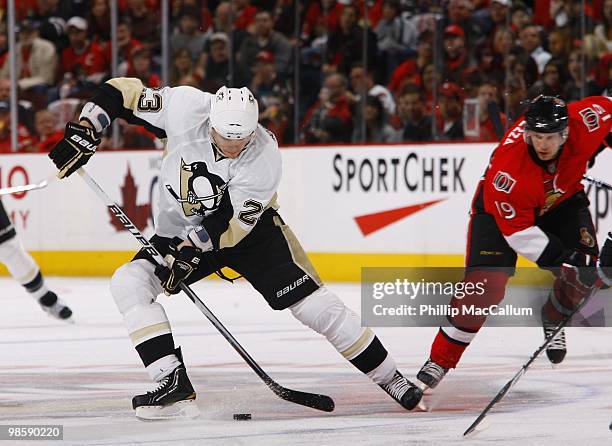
(199, 186)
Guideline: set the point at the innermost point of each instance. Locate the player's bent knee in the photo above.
(19, 263)
(134, 284)
(325, 313)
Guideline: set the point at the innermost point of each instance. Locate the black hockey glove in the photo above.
(604, 265)
(181, 263)
(75, 149)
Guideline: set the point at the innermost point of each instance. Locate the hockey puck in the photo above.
(242, 416)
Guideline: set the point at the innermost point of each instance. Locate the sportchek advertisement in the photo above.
(398, 199)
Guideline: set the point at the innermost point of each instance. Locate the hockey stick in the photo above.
(525, 366)
(27, 187)
(316, 401)
(597, 183)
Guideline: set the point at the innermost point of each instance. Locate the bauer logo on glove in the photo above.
(75, 149)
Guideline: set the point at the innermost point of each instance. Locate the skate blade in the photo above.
(182, 409)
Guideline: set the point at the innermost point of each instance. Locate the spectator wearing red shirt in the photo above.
(24, 139)
(330, 120)
(244, 14)
(126, 45)
(322, 17)
(47, 135)
(409, 70)
(83, 58)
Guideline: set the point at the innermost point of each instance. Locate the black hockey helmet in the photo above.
(546, 114)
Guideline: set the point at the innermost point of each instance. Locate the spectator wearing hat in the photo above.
(531, 43)
(83, 58)
(36, 59)
(459, 12)
(141, 68)
(409, 70)
(330, 119)
(266, 39)
(362, 83)
(274, 97)
(456, 57)
(414, 124)
(215, 63)
(24, 139)
(451, 111)
(188, 34)
(345, 46)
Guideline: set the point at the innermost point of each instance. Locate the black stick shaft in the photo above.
(525, 366)
(316, 401)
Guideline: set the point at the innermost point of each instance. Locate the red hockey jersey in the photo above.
(517, 188)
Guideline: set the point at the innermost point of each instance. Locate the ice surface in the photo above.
(84, 375)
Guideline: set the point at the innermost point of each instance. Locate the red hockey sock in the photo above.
(445, 352)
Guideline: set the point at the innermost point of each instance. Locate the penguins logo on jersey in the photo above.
(201, 190)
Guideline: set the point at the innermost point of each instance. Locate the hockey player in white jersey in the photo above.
(24, 269)
(217, 207)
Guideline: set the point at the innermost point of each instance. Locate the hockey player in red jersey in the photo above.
(531, 202)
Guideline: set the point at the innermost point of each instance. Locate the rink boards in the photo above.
(350, 206)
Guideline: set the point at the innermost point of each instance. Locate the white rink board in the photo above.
(322, 191)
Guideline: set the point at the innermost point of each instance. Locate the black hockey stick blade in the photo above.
(493, 402)
(313, 400)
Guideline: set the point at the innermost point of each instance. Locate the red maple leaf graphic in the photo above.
(373, 222)
(139, 214)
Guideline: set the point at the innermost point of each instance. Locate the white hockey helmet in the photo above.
(234, 113)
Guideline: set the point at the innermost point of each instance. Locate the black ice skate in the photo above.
(174, 397)
(403, 391)
(557, 348)
(54, 306)
(431, 374)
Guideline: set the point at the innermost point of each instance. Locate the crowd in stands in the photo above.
(348, 71)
